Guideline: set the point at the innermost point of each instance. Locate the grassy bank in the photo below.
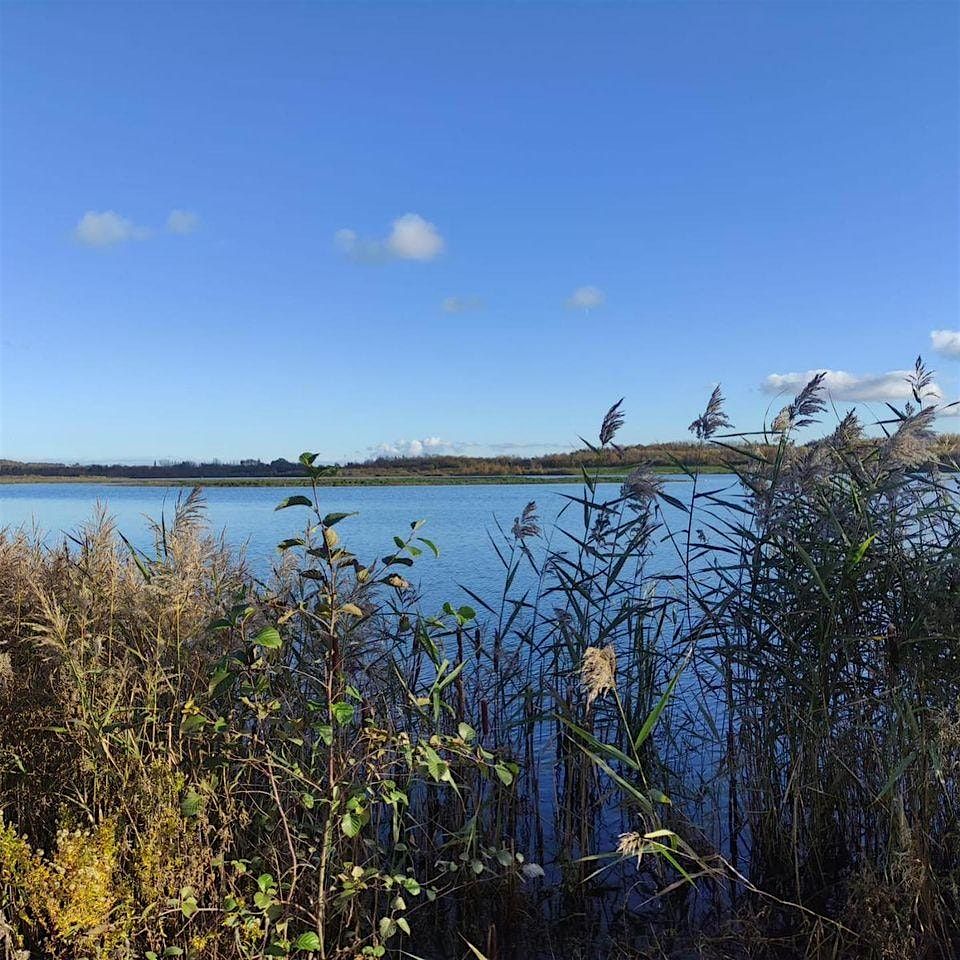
(750, 750)
(344, 480)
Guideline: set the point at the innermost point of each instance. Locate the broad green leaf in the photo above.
(431, 545)
(332, 518)
(353, 821)
(298, 500)
(307, 941)
(268, 638)
(342, 712)
(295, 542)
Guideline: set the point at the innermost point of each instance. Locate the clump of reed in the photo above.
(718, 719)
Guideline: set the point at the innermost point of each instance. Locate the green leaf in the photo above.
(353, 821)
(654, 714)
(403, 925)
(411, 885)
(431, 545)
(861, 551)
(218, 677)
(190, 803)
(193, 723)
(466, 732)
(342, 712)
(307, 941)
(295, 542)
(438, 768)
(504, 773)
(331, 518)
(298, 500)
(307, 458)
(388, 927)
(268, 638)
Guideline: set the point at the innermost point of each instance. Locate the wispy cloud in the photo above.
(946, 342)
(586, 298)
(411, 237)
(461, 304)
(436, 446)
(182, 221)
(106, 229)
(844, 386)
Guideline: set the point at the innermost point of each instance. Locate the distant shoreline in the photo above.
(339, 481)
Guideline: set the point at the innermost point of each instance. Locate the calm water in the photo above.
(460, 520)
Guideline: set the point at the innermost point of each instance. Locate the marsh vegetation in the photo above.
(751, 751)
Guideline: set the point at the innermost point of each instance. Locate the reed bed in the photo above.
(748, 749)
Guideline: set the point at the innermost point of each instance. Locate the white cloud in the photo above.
(586, 298)
(461, 304)
(841, 385)
(411, 237)
(182, 221)
(106, 229)
(428, 446)
(946, 342)
(435, 446)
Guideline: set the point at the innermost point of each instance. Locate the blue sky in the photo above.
(245, 229)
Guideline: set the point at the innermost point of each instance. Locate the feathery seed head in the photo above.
(642, 485)
(528, 523)
(712, 419)
(612, 422)
(598, 672)
(909, 445)
(632, 844)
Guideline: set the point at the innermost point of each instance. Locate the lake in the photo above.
(459, 518)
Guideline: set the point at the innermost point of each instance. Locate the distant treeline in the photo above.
(657, 455)
(159, 471)
(666, 454)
